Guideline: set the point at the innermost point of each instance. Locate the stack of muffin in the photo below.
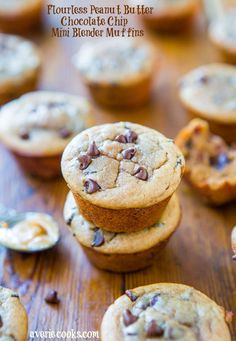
(122, 208)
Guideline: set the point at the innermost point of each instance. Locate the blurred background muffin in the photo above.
(37, 127)
(20, 15)
(19, 67)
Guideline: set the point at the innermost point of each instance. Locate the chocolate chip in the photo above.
(234, 257)
(15, 295)
(65, 133)
(1, 322)
(203, 79)
(154, 300)
(121, 139)
(141, 173)
(131, 136)
(131, 295)
(189, 144)
(154, 330)
(93, 150)
(24, 135)
(219, 161)
(128, 154)
(91, 186)
(84, 161)
(52, 297)
(98, 238)
(129, 318)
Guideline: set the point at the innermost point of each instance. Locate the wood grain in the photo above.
(199, 254)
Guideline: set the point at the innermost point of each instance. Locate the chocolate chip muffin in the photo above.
(222, 33)
(117, 72)
(19, 67)
(37, 127)
(19, 15)
(209, 92)
(165, 311)
(122, 175)
(210, 162)
(13, 317)
(122, 252)
(170, 15)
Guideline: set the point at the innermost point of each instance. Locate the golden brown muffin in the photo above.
(38, 126)
(19, 67)
(13, 317)
(209, 92)
(122, 252)
(20, 15)
(222, 33)
(170, 15)
(119, 72)
(165, 311)
(122, 175)
(210, 162)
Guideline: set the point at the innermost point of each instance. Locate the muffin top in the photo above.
(14, 321)
(165, 312)
(18, 57)
(122, 165)
(108, 242)
(42, 123)
(115, 60)
(223, 29)
(209, 160)
(210, 91)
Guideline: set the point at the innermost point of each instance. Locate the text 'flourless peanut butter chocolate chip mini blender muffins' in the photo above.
(209, 92)
(122, 252)
(19, 67)
(165, 312)
(37, 127)
(170, 15)
(122, 175)
(118, 72)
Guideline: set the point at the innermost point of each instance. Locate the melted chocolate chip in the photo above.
(131, 136)
(129, 318)
(93, 150)
(24, 135)
(65, 133)
(1, 322)
(91, 186)
(121, 139)
(131, 295)
(219, 161)
(128, 154)
(52, 297)
(141, 173)
(154, 330)
(15, 295)
(98, 238)
(189, 144)
(154, 300)
(203, 79)
(84, 161)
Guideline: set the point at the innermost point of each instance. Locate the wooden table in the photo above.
(199, 254)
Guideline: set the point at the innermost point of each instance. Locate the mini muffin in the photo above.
(170, 15)
(210, 162)
(19, 15)
(209, 92)
(233, 242)
(19, 67)
(165, 311)
(13, 317)
(119, 72)
(122, 175)
(122, 252)
(38, 126)
(222, 33)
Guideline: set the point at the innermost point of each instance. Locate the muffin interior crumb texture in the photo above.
(208, 158)
(122, 165)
